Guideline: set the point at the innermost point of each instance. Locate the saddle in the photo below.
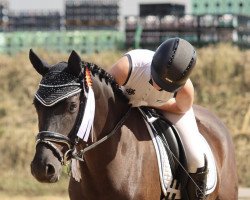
(169, 136)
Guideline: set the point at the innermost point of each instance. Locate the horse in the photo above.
(118, 159)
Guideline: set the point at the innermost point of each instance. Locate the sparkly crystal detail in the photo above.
(57, 85)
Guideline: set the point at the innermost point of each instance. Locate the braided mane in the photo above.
(103, 75)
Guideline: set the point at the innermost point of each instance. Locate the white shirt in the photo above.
(137, 87)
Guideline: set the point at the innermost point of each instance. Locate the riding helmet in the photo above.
(172, 64)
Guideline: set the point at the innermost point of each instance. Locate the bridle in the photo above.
(71, 142)
(50, 138)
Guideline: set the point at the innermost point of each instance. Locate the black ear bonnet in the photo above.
(57, 84)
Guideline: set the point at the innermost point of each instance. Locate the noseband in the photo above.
(49, 138)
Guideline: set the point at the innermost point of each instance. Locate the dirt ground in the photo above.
(244, 194)
(7, 197)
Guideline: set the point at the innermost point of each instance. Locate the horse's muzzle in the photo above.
(45, 167)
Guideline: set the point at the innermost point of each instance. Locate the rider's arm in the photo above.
(120, 70)
(180, 104)
(183, 100)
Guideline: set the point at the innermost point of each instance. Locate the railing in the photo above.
(62, 41)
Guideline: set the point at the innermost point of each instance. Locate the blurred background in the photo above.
(101, 31)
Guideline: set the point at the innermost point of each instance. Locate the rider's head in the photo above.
(172, 64)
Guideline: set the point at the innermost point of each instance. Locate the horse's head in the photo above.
(57, 102)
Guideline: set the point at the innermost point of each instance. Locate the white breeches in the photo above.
(191, 138)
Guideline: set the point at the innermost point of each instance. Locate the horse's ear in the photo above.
(40, 66)
(74, 64)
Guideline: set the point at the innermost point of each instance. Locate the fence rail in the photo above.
(62, 41)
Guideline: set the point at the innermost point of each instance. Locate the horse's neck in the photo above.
(109, 109)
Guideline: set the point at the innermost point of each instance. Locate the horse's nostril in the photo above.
(50, 170)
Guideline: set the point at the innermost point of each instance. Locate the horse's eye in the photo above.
(73, 107)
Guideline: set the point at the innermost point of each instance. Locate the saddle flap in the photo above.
(169, 136)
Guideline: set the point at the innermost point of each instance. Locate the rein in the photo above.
(118, 125)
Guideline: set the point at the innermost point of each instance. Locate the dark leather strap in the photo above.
(48, 135)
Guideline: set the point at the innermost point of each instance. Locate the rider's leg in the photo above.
(191, 138)
(195, 151)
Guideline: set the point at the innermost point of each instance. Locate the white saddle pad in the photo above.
(166, 176)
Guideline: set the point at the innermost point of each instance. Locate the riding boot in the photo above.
(196, 185)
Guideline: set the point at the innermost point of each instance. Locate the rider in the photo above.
(160, 79)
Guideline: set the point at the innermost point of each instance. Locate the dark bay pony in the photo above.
(122, 163)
